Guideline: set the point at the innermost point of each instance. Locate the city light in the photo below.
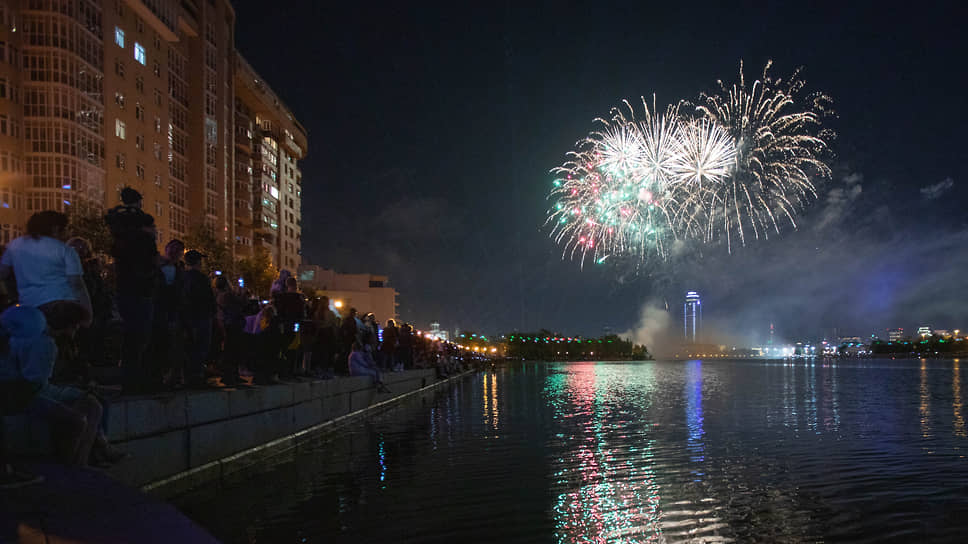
(338, 303)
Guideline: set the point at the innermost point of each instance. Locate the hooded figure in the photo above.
(26, 366)
(22, 340)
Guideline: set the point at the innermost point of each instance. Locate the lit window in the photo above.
(139, 53)
(119, 128)
(119, 37)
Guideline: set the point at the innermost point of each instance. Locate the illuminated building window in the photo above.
(119, 128)
(139, 53)
(119, 37)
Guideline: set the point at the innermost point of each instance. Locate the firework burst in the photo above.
(779, 151)
(738, 162)
(611, 195)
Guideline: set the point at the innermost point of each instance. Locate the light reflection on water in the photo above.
(694, 451)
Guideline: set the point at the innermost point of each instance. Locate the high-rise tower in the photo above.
(692, 316)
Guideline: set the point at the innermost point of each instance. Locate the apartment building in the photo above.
(96, 95)
(168, 109)
(269, 143)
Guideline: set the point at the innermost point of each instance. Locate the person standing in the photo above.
(47, 271)
(349, 333)
(327, 328)
(371, 332)
(197, 313)
(230, 322)
(291, 310)
(135, 262)
(167, 345)
(89, 342)
(388, 348)
(405, 348)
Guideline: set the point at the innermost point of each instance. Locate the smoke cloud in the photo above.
(932, 192)
(853, 267)
(656, 329)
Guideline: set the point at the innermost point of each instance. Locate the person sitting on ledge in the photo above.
(361, 364)
(27, 355)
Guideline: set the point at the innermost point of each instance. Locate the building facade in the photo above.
(269, 143)
(365, 292)
(96, 95)
(692, 317)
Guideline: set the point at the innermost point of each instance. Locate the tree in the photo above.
(258, 271)
(218, 253)
(86, 220)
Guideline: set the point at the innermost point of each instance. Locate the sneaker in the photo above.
(11, 478)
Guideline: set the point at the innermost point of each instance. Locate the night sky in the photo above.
(432, 130)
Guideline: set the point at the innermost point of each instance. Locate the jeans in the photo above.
(136, 323)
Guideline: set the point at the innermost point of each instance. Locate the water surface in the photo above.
(695, 451)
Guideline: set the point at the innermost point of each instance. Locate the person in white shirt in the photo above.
(47, 271)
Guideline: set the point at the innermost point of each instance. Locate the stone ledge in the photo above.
(225, 467)
(198, 435)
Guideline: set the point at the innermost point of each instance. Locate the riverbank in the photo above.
(177, 442)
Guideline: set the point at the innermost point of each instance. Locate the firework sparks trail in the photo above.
(611, 194)
(738, 162)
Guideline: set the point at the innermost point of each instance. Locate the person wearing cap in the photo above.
(135, 271)
(197, 313)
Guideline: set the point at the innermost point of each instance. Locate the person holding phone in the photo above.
(291, 310)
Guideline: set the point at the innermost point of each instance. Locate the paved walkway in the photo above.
(87, 506)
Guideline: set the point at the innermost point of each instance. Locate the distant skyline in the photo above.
(433, 129)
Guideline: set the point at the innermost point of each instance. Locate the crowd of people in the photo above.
(169, 323)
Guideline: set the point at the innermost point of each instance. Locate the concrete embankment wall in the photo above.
(184, 439)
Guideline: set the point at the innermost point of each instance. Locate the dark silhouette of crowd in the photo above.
(168, 322)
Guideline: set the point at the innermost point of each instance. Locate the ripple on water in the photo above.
(652, 452)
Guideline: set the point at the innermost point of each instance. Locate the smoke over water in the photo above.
(656, 329)
(854, 267)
